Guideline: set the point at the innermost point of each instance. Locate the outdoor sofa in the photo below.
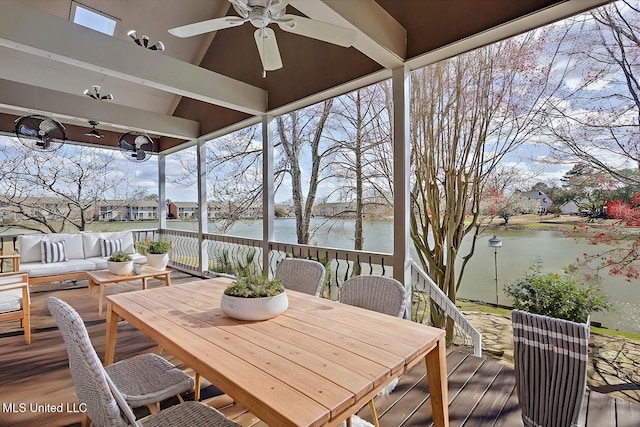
(46, 259)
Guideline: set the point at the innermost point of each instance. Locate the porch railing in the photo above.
(219, 254)
(425, 289)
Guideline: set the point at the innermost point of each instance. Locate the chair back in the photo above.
(378, 293)
(105, 405)
(551, 357)
(302, 275)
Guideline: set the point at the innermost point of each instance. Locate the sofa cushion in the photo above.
(38, 269)
(91, 242)
(109, 247)
(29, 246)
(53, 251)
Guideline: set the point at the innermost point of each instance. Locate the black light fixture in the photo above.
(93, 133)
(145, 41)
(495, 242)
(95, 94)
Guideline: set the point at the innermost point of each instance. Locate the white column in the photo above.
(400, 81)
(268, 196)
(162, 191)
(201, 158)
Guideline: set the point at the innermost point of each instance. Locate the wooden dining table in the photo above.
(316, 364)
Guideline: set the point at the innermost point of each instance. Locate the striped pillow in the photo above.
(110, 247)
(53, 251)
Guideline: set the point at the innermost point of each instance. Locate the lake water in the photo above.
(519, 251)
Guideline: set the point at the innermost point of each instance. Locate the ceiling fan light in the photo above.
(145, 41)
(158, 46)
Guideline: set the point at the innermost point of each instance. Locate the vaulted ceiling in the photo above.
(213, 83)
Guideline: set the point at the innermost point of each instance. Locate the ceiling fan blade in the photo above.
(202, 27)
(268, 49)
(318, 30)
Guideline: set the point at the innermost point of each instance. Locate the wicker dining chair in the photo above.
(108, 395)
(302, 275)
(15, 302)
(378, 293)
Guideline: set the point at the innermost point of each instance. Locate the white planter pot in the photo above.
(254, 308)
(158, 261)
(120, 268)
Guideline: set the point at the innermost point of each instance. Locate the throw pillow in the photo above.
(53, 251)
(110, 247)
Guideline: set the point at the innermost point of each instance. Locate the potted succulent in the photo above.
(254, 297)
(550, 344)
(120, 263)
(158, 254)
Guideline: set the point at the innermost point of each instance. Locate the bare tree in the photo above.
(362, 165)
(593, 115)
(60, 191)
(301, 140)
(467, 113)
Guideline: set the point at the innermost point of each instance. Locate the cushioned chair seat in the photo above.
(10, 300)
(148, 378)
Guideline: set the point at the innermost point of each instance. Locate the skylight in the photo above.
(93, 19)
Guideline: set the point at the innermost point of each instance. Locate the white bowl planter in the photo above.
(158, 261)
(242, 308)
(120, 268)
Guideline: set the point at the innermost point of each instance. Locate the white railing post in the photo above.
(400, 82)
(268, 196)
(201, 158)
(162, 191)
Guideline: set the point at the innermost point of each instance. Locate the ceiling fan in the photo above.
(136, 146)
(39, 132)
(93, 133)
(261, 13)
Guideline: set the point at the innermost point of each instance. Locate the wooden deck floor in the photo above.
(481, 391)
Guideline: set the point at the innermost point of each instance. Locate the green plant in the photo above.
(555, 295)
(158, 247)
(254, 286)
(120, 257)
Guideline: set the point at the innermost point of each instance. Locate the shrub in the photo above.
(555, 295)
(158, 247)
(254, 287)
(120, 257)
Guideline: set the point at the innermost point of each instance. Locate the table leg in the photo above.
(91, 285)
(167, 279)
(101, 298)
(437, 373)
(144, 283)
(110, 339)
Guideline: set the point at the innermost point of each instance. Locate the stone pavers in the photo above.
(614, 362)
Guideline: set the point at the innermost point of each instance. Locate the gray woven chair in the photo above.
(106, 404)
(378, 293)
(302, 275)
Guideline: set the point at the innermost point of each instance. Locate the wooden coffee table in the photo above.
(104, 278)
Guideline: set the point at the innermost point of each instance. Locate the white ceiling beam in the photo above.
(78, 110)
(380, 36)
(38, 33)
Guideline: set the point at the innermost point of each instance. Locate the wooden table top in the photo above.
(104, 276)
(316, 364)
